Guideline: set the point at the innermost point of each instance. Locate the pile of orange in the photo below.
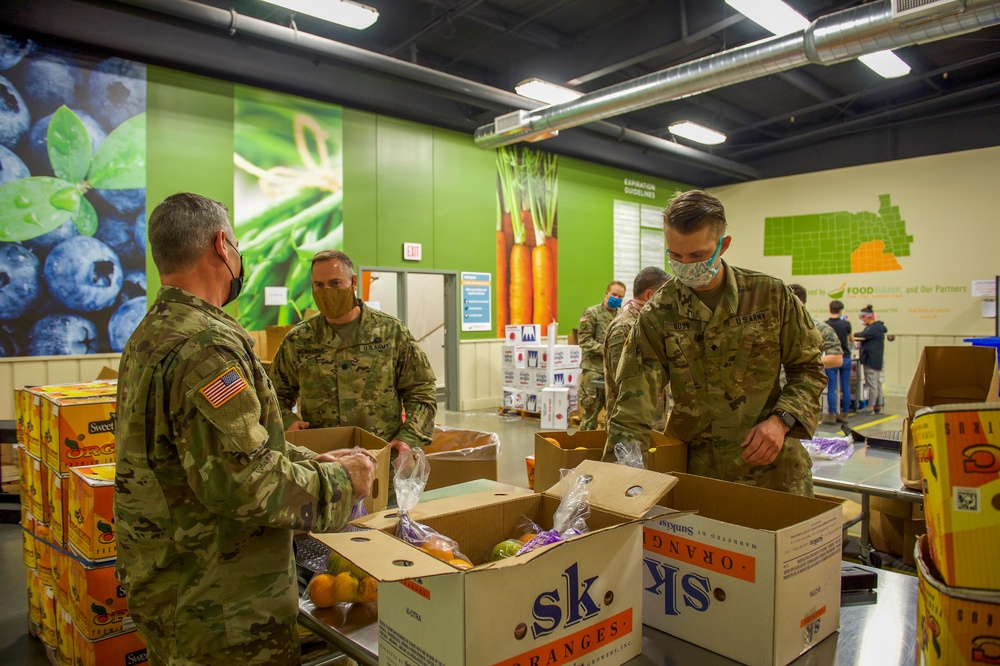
(443, 548)
(343, 582)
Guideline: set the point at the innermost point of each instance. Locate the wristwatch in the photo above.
(786, 418)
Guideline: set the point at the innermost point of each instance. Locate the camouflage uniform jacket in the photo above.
(614, 344)
(723, 369)
(367, 383)
(207, 491)
(831, 343)
(590, 334)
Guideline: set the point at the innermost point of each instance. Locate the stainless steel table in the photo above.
(883, 633)
(868, 472)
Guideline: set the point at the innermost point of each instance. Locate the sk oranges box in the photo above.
(954, 625)
(78, 431)
(581, 596)
(958, 448)
(97, 601)
(48, 616)
(121, 649)
(91, 512)
(752, 574)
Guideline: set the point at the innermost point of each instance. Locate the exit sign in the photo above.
(412, 251)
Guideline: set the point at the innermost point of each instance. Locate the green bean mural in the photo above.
(289, 198)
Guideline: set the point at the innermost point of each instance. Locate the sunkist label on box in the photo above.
(121, 649)
(97, 601)
(954, 625)
(78, 431)
(91, 512)
(958, 448)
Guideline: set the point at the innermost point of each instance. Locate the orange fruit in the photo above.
(367, 590)
(554, 441)
(321, 590)
(459, 563)
(525, 538)
(345, 587)
(438, 546)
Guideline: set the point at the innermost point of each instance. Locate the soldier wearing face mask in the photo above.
(592, 331)
(719, 336)
(351, 365)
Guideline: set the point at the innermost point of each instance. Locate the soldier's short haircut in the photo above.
(613, 283)
(694, 210)
(650, 277)
(836, 306)
(333, 255)
(799, 291)
(181, 229)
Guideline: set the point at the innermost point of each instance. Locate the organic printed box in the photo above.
(576, 601)
(91, 512)
(752, 574)
(954, 625)
(58, 497)
(120, 649)
(322, 440)
(96, 601)
(78, 431)
(555, 451)
(958, 448)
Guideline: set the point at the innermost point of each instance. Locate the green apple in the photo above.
(506, 549)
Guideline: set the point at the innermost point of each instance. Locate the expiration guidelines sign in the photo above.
(476, 306)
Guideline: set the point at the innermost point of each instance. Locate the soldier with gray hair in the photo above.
(352, 365)
(719, 336)
(207, 490)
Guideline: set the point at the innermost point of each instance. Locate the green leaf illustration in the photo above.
(68, 145)
(70, 444)
(33, 206)
(86, 220)
(104, 527)
(120, 162)
(100, 610)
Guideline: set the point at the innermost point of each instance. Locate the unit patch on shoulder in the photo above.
(224, 387)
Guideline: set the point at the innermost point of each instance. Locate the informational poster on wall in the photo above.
(638, 234)
(477, 305)
(288, 188)
(72, 200)
(527, 255)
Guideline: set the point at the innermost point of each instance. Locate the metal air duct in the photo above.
(830, 39)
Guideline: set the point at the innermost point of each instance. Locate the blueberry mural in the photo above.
(72, 201)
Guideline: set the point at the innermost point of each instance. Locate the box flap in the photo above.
(385, 557)
(439, 507)
(624, 490)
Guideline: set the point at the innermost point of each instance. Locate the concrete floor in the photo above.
(516, 442)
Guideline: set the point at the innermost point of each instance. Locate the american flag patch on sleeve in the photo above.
(224, 387)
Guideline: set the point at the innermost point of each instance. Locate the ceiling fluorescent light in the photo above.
(543, 91)
(772, 15)
(342, 12)
(886, 64)
(696, 132)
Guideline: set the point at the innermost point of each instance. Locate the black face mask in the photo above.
(236, 285)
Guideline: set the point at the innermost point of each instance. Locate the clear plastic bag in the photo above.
(829, 448)
(410, 479)
(570, 518)
(630, 454)
(342, 582)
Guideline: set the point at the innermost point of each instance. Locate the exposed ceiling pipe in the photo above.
(235, 23)
(830, 39)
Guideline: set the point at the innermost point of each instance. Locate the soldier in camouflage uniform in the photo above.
(646, 283)
(207, 491)
(592, 330)
(351, 365)
(719, 336)
(833, 353)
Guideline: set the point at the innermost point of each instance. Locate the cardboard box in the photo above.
(517, 334)
(912, 530)
(892, 507)
(850, 510)
(47, 612)
(65, 636)
(457, 456)
(28, 553)
(78, 431)
(533, 401)
(555, 451)
(92, 513)
(949, 375)
(563, 357)
(581, 596)
(34, 597)
(510, 378)
(61, 574)
(43, 554)
(121, 649)
(513, 398)
(570, 378)
(958, 447)
(555, 408)
(28, 404)
(528, 356)
(529, 464)
(754, 574)
(58, 497)
(886, 532)
(96, 601)
(38, 489)
(24, 473)
(909, 468)
(954, 625)
(507, 357)
(107, 372)
(322, 440)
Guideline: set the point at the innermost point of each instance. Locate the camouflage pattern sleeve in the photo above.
(831, 343)
(284, 376)
(618, 332)
(229, 462)
(802, 360)
(587, 334)
(641, 377)
(417, 389)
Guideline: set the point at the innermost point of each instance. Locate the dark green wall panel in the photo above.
(405, 195)
(361, 187)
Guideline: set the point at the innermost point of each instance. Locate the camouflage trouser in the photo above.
(591, 399)
(280, 649)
